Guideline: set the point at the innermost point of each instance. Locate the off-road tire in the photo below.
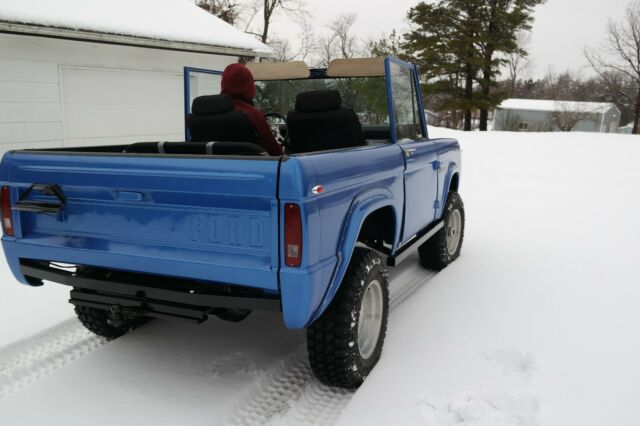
(435, 253)
(96, 321)
(332, 341)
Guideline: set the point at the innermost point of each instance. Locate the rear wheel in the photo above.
(444, 247)
(346, 342)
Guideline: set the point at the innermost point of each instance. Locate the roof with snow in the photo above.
(173, 21)
(543, 105)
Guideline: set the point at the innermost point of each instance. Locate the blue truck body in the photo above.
(220, 219)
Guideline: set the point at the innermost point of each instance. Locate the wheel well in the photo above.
(455, 180)
(378, 228)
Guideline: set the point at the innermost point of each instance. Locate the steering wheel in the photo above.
(278, 124)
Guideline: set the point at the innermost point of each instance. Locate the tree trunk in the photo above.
(636, 118)
(468, 95)
(484, 118)
(484, 113)
(266, 15)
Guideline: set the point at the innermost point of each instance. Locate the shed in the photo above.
(626, 130)
(92, 72)
(533, 115)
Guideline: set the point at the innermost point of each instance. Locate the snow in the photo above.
(25, 310)
(543, 105)
(535, 324)
(172, 20)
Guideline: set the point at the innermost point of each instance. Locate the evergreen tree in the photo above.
(459, 43)
(500, 21)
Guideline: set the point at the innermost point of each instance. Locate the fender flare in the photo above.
(451, 171)
(361, 207)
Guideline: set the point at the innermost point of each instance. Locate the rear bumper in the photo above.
(147, 294)
(299, 295)
(161, 261)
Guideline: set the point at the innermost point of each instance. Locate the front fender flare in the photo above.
(361, 207)
(451, 171)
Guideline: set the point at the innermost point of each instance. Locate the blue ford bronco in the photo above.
(213, 226)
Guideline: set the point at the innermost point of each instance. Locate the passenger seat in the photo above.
(320, 123)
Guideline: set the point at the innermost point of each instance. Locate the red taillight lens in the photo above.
(5, 206)
(292, 235)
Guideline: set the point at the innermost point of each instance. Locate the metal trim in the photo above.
(125, 291)
(403, 252)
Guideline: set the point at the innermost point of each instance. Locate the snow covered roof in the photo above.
(178, 21)
(542, 105)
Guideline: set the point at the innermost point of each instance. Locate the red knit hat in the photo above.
(237, 82)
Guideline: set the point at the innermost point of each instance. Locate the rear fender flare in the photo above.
(362, 206)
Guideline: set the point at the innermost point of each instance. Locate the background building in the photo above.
(530, 115)
(90, 72)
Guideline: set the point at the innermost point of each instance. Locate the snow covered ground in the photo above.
(537, 323)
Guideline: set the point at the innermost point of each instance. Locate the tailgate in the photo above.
(210, 218)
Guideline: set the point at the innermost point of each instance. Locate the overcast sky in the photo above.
(562, 27)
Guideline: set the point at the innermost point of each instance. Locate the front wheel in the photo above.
(444, 247)
(346, 342)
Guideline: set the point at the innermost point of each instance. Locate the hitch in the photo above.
(119, 315)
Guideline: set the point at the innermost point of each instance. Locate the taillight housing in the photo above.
(5, 207)
(292, 235)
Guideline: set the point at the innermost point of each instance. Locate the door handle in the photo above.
(409, 151)
(25, 205)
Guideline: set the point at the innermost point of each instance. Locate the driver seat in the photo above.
(321, 123)
(213, 118)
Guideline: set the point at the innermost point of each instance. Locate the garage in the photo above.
(119, 106)
(71, 77)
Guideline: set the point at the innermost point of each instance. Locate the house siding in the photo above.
(32, 91)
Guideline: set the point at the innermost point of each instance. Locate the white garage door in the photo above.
(103, 106)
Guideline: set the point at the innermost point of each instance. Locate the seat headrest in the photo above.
(212, 104)
(318, 100)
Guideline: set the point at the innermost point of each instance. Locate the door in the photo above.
(408, 130)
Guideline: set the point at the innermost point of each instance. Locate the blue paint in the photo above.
(218, 219)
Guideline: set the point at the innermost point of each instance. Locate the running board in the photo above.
(403, 252)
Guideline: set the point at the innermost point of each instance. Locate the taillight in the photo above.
(292, 235)
(5, 206)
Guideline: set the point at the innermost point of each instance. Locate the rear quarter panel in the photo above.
(356, 182)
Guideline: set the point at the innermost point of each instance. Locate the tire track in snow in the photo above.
(289, 394)
(30, 360)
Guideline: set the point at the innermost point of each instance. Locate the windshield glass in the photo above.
(367, 96)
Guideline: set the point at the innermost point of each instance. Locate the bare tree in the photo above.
(341, 30)
(282, 51)
(518, 61)
(227, 10)
(326, 50)
(308, 43)
(619, 55)
(568, 114)
(340, 42)
(267, 10)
